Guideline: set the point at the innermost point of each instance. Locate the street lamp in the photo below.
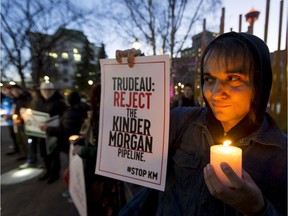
(90, 82)
(136, 44)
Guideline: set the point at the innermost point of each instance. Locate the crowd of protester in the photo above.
(77, 116)
(236, 79)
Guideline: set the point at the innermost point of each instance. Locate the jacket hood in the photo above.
(262, 78)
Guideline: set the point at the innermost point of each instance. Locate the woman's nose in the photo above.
(219, 90)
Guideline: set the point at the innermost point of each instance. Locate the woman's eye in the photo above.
(208, 79)
(233, 78)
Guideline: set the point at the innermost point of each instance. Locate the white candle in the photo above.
(229, 154)
(29, 111)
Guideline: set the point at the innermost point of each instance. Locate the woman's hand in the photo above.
(43, 127)
(245, 196)
(129, 53)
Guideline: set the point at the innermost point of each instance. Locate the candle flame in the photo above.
(227, 143)
(29, 111)
(15, 116)
(73, 137)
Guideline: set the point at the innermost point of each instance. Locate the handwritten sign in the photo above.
(77, 183)
(134, 121)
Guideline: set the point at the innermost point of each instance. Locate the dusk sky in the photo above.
(233, 8)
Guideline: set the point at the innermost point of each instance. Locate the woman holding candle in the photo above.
(236, 79)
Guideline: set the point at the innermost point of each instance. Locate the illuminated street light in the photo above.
(136, 44)
(12, 83)
(90, 82)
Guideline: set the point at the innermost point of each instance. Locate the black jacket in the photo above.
(70, 124)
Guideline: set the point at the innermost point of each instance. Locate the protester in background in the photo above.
(22, 99)
(6, 104)
(105, 196)
(35, 104)
(71, 122)
(53, 104)
(236, 77)
(187, 99)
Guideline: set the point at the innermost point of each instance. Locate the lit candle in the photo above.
(15, 116)
(29, 111)
(229, 154)
(73, 138)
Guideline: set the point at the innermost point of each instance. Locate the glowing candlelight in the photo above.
(14, 116)
(73, 138)
(229, 154)
(29, 111)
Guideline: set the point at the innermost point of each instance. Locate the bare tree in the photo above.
(21, 17)
(164, 25)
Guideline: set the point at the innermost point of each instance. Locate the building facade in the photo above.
(64, 58)
(186, 69)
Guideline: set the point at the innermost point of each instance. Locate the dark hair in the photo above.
(230, 51)
(95, 96)
(16, 87)
(73, 98)
(188, 85)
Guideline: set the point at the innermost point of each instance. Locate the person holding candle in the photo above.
(21, 99)
(236, 78)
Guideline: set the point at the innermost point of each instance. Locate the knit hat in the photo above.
(47, 85)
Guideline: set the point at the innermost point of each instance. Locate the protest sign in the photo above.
(32, 120)
(134, 121)
(77, 182)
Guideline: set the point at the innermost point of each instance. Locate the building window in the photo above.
(75, 50)
(65, 55)
(77, 57)
(53, 55)
(65, 72)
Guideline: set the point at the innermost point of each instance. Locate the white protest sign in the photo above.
(77, 183)
(134, 121)
(32, 120)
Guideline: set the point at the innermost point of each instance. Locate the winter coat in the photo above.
(54, 106)
(23, 101)
(263, 144)
(70, 124)
(264, 158)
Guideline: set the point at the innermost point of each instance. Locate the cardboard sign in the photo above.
(134, 121)
(77, 182)
(32, 120)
